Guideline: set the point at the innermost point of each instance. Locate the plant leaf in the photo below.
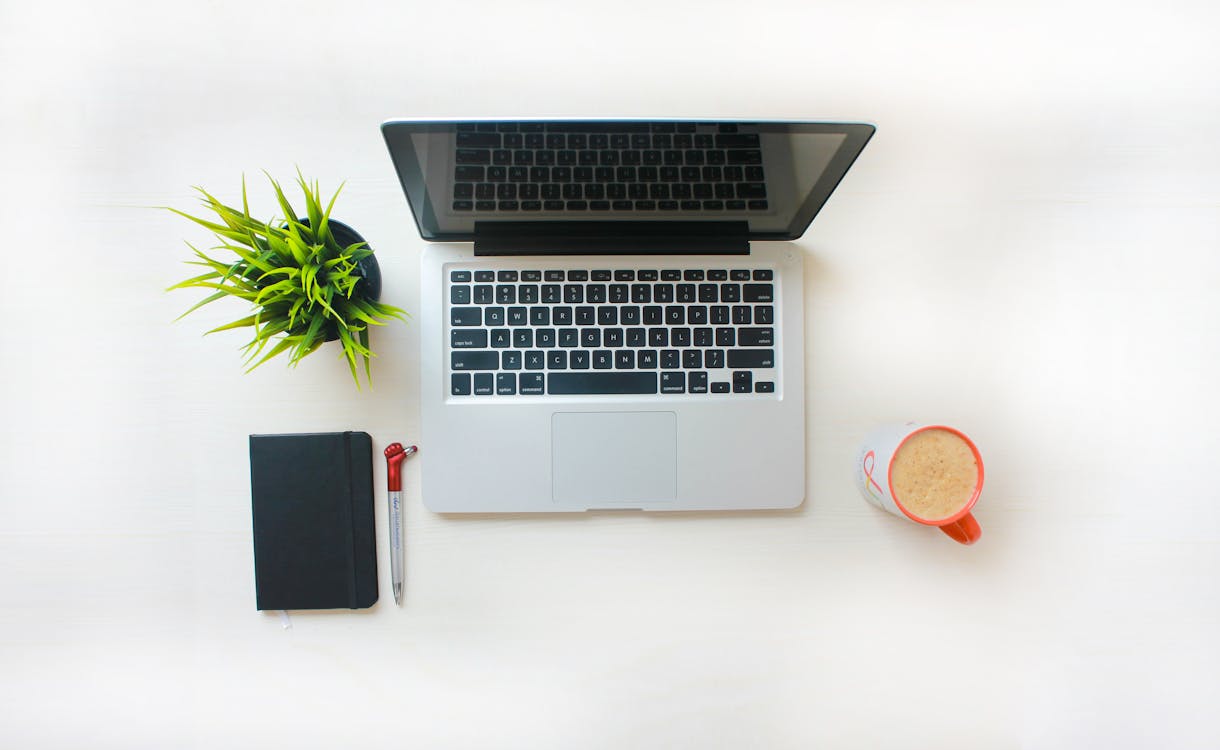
(243, 323)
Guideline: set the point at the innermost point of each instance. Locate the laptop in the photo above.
(597, 331)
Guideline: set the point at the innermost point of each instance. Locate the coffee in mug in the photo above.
(931, 474)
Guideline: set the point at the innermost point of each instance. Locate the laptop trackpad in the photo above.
(612, 458)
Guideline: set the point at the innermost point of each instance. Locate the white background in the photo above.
(1028, 250)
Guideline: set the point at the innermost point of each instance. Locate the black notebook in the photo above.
(314, 531)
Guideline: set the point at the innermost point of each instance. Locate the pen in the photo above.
(394, 455)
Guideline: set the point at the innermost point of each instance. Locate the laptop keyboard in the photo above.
(637, 331)
(610, 167)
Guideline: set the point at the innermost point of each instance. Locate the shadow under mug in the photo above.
(873, 477)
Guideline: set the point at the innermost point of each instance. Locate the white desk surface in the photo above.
(1028, 249)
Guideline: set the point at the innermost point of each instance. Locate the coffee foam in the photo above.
(934, 474)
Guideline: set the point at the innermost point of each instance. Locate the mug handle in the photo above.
(964, 530)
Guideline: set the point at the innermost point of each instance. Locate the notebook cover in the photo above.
(314, 531)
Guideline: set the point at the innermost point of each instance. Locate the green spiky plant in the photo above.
(303, 285)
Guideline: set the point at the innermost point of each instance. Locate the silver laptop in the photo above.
(596, 330)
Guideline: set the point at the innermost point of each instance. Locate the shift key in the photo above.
(462, 361)
(750, 358)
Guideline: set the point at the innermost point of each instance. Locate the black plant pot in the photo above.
(367, 268)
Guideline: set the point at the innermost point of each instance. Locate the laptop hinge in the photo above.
(611, 238)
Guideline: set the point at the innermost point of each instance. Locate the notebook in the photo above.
(314, 537)
(597, 330)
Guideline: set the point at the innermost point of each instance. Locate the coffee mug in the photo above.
(931, 474)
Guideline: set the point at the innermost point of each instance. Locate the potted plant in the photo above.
(308, 279)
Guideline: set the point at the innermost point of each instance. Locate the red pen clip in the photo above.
(394, 455)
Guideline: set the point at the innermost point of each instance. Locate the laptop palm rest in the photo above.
(612, 459)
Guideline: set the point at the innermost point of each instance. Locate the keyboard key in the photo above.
(740, 274)
(531, 384)
(506, 384)
(743, 381)
(510, 360)
(540, 316)
(517, 316)
(692, 359)
(579, 360)
(764, 314)
(546, 338)
(741, 315)
(730, 292)
(557, 360)
(459, 295)
(696, 382)
(763, 274)
(624, 360)
(473, 156)
(758, 292)
(474, 361)
(564, 383)
(465, 316)
(500, 338)
(713, 359)
(469, 338)
(764, 386)
(671, 359)
(756, 337)
(523, 338)
(737, 140)
(726, 337)
(754, 358)
(603, 360)
(484, 275)
(692, 275)
(535, 360)
(460, 384)
(493, 316)
(485, 140)
(483, 383)
(459, 276)
(554, 276)
(720, 387)
(673, 382)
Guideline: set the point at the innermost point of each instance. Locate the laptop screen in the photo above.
(769, 177)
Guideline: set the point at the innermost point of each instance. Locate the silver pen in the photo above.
(394, 455)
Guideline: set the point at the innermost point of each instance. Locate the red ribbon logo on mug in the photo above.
(870, 464)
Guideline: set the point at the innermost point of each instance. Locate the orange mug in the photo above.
(930, 474)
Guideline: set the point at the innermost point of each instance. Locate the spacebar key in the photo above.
(563, 383)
